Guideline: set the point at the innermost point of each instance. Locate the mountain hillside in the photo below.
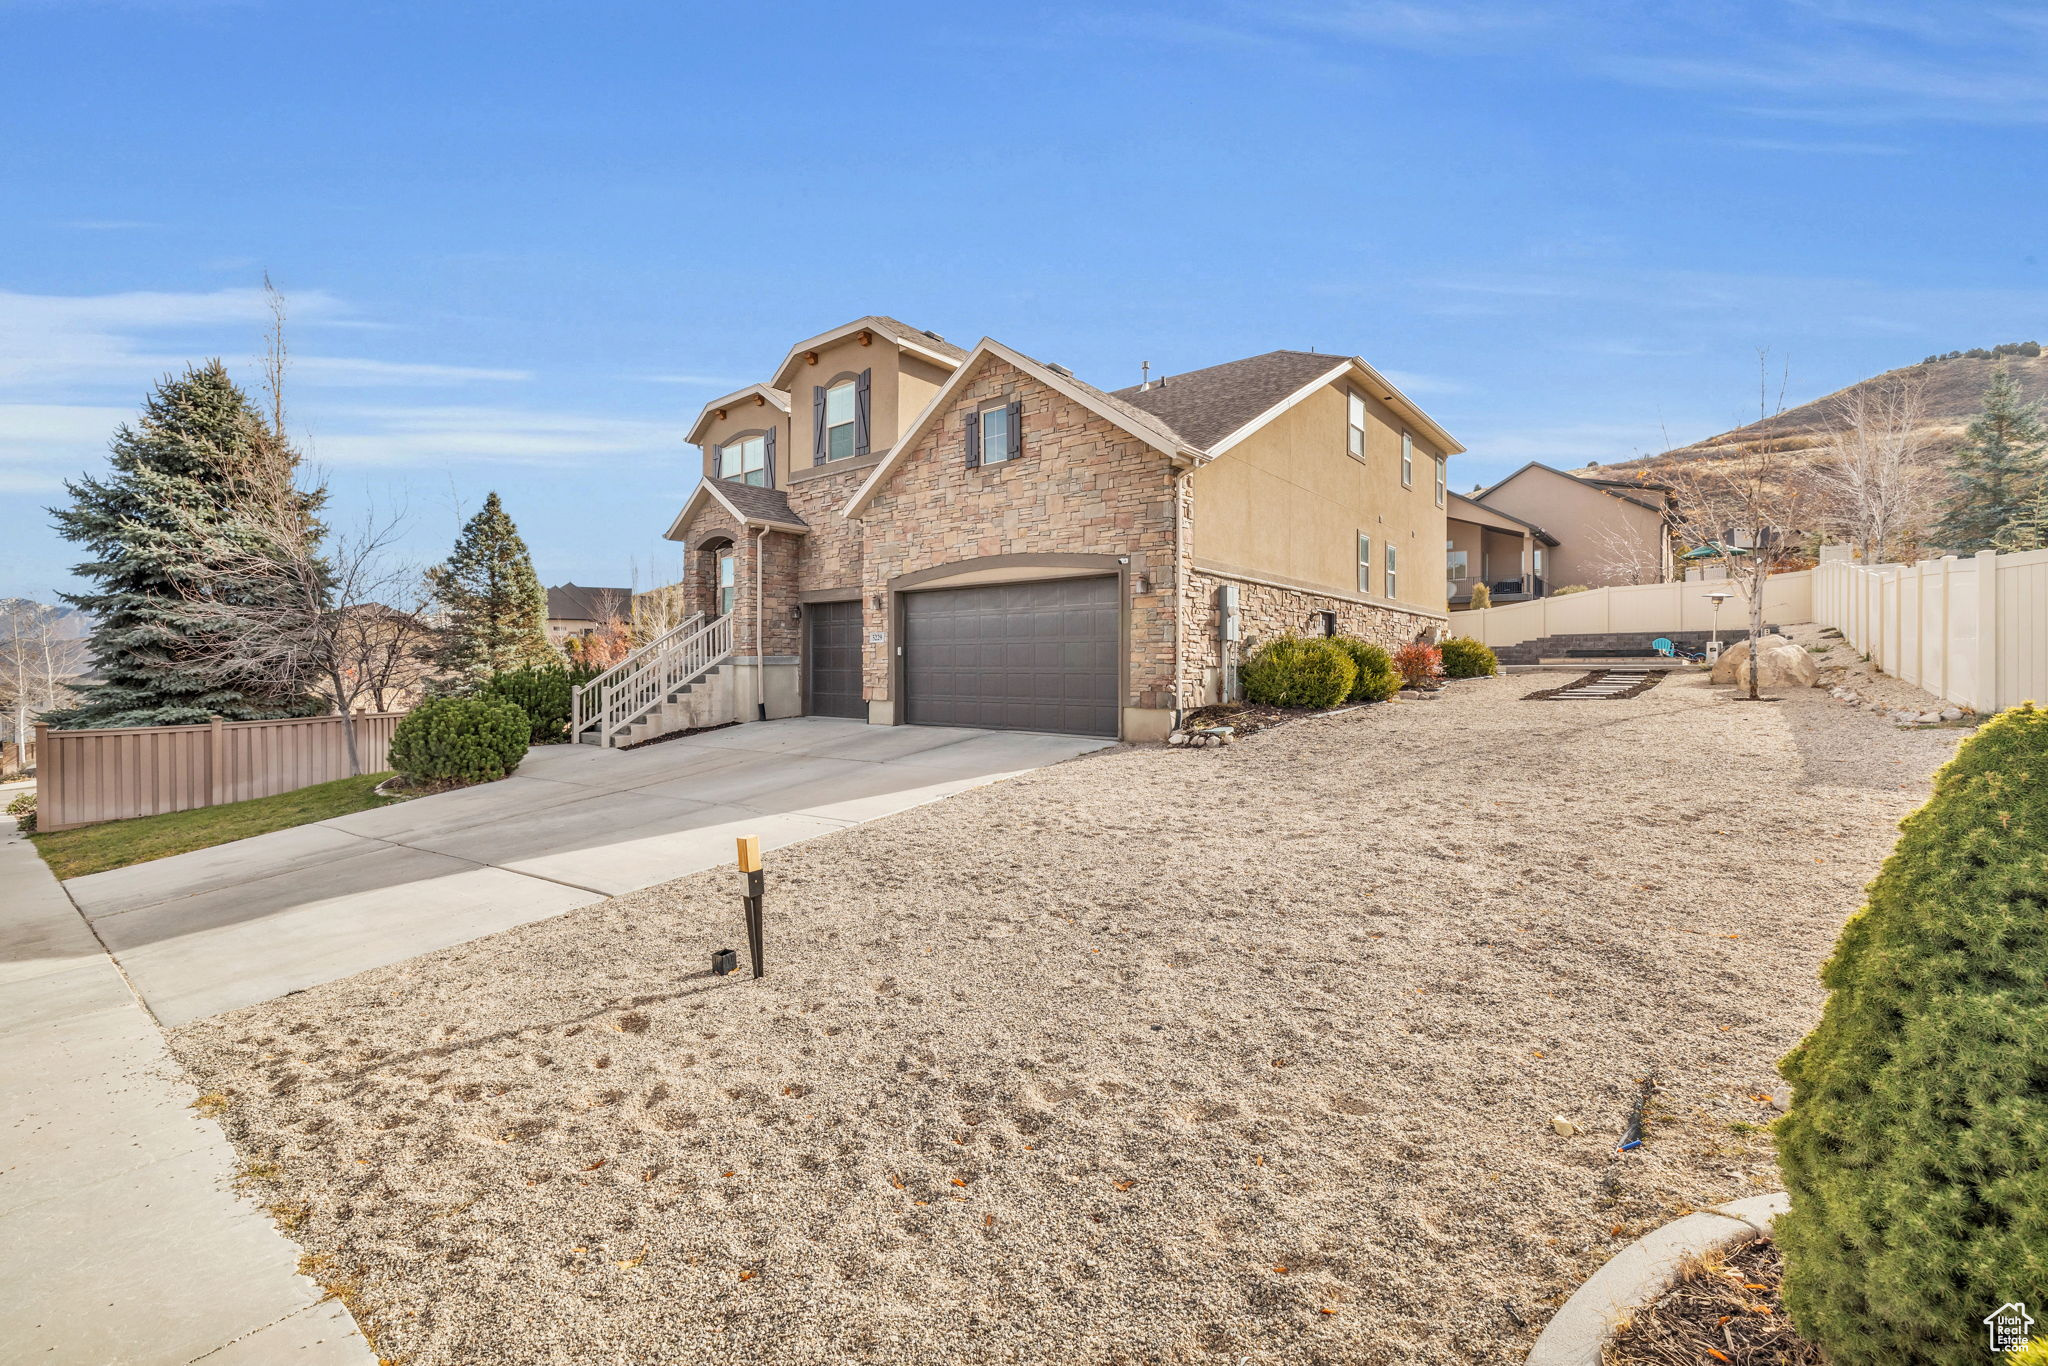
(1952, 390)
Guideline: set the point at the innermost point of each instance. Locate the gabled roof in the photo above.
(748, 504)
(1145, 426)
(1479, 514)
(772, 397)
(1611, 487)
(1217, 407)
(571, 602)
(929, 345)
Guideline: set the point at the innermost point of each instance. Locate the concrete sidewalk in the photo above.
(220, 928)
(120, 1241)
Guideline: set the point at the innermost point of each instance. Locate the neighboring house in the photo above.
(1560, 530)
(1485, 545)
(578, 611)
(893, 529)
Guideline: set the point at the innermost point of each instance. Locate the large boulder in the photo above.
(1732, 658)
(1781, 664)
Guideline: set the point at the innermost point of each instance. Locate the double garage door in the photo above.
(1013, 656)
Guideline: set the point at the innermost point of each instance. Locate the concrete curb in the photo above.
(1642, 1271)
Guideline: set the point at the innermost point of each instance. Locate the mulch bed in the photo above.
(1249, 718)
(679, 735)
(1725, 1309)
(1650, 680)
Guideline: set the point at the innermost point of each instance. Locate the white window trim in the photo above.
(981, 421)
(851, 424)
(1355, 433)
(1442, 479)
(1407, 461)
(739, 444)
(728, 556)
(1389, 576)
(1365, 564)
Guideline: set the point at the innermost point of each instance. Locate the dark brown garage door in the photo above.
(1013, 656)
(833, 654)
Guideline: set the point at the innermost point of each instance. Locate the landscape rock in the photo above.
(1732, 658)
(1782, 665)
(1951, 713)
(1564, 1127)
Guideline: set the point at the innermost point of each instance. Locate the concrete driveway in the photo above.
(219, 928)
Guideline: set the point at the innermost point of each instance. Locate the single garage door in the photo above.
(832, 654)
(1013, 656)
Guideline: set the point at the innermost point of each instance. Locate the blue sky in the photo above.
(523, 243)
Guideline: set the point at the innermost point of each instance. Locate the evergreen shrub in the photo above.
(1915, 1148)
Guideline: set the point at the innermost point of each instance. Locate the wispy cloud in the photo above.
(50, 341)
(1804, 147)
(461, 434)
(1842, 61)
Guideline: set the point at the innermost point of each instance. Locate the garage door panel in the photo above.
(1019, 656)
(833, 660)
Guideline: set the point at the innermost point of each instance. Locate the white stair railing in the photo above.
(586, 700)
(661, 671)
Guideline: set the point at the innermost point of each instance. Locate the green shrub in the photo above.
(1376, 680)
(453, 740)
(23, 809)
(1292, 672)
(1465, 657)
(1482, 596)
(543, 694)
(1916, 1145)
(1569, 588)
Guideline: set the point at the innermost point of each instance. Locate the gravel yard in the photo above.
(1239, 1055)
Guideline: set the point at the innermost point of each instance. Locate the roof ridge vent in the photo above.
(1059, 369)
(933, 335)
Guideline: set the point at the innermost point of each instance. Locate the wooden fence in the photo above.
(83, 776)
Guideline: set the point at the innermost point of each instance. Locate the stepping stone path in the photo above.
(1604, 685)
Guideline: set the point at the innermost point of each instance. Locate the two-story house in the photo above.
(894, 529)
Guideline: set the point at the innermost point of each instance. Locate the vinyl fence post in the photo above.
(1986, 700)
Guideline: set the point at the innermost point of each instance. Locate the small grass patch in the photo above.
(116, 844)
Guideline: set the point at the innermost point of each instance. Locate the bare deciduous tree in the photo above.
(38, 655)
(1876, 488)
(1746, 510)
(1618, 554)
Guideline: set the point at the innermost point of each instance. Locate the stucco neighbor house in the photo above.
(1540, 529)
(574, 610)
(894, 529)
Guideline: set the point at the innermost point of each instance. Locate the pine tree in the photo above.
(497, 613)
(2028, 530)
(1999, 468)
(162, 646)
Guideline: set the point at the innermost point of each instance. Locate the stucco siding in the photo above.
(1289, 502)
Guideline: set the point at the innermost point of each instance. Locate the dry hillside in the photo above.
(1952, 390)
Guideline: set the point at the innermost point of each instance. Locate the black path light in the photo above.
(750, 864)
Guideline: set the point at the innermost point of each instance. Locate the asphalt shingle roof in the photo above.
(769, 505)
(1204, 406)
(572, 602)
(917, 336)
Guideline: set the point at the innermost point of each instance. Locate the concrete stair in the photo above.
(706, 700)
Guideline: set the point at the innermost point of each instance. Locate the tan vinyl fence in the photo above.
(83, 776)
(1651, 607)
(1970, 630)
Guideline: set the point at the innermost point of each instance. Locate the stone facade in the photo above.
(1081, 485)
(1266, 611)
